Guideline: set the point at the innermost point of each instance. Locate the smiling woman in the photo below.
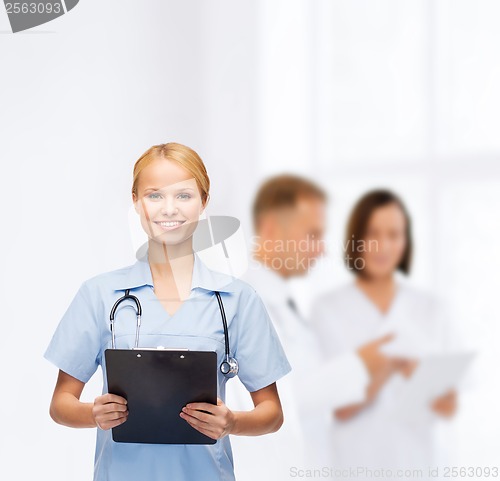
(371, 433)
(170, 191)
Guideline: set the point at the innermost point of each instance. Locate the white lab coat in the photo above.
(308, 394)
(375, 438)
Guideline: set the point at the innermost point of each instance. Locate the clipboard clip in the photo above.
(162, 348)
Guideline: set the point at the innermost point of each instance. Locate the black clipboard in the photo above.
(157, 384)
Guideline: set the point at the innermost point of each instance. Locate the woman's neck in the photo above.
(380, 290)
(160, 253)
(171, 269)
(163, 258)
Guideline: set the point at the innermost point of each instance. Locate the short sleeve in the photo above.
(261, 358)
(75, 345)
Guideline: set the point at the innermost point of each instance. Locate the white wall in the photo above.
(81, 99)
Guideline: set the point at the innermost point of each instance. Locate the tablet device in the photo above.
(157, 384)
(434, 376)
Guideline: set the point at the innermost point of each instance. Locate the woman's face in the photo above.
(168, 202)
(385, 241)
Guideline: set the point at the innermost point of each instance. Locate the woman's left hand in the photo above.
(445, 405)
(213, 421)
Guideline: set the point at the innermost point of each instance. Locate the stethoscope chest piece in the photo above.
(229, 367)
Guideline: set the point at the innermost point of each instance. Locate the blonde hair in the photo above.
(184, 156)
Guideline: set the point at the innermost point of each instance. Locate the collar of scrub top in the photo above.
(203, 277)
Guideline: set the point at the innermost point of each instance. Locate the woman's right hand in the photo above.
(109, 411)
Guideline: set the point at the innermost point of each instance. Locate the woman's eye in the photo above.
(154, 196)
(184, 196)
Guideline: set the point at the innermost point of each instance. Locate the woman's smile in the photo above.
(169, 224)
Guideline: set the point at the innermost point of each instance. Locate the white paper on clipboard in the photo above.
(434, 376)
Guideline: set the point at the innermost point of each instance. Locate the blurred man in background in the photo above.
(289, 222)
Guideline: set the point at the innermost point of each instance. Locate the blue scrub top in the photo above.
(83, 334)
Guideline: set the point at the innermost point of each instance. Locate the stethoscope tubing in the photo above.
(126, 296)
(230, 364)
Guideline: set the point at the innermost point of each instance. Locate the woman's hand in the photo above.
(388, 367)
(407, 367)
(109, 411)
(445, 405)
(217, 422)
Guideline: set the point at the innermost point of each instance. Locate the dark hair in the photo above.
(358, 223)
(283, 191)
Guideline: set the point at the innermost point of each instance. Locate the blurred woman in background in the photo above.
(378, 301)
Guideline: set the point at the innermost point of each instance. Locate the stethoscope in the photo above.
(229, 366)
